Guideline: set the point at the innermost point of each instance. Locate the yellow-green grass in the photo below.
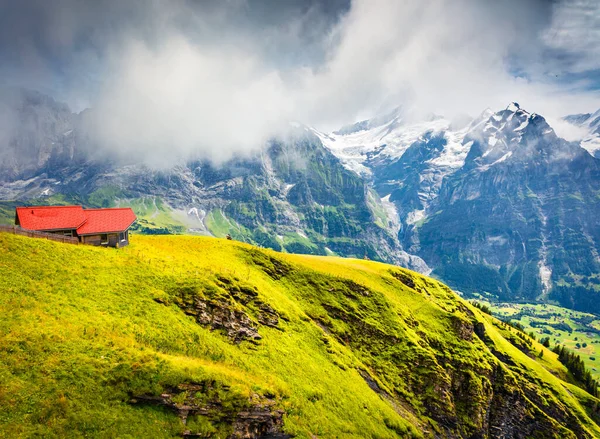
(85, 329)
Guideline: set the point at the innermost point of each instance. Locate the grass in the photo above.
(220, 226)
(362, 349)
(378, 210)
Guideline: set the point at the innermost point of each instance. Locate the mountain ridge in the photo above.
(292, 194)
(435, 177)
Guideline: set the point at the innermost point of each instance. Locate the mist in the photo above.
(212, 80)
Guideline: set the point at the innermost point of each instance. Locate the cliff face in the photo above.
(502, 205)
(519, 219)
(38, 134)
(199, 337)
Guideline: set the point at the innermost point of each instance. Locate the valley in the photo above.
(577, 331)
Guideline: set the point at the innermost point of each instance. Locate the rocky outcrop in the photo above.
(220, 315)
(232, 307)
(256, 418)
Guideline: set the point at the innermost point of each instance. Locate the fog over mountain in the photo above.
(167, 80)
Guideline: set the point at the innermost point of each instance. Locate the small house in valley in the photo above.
(106, 227)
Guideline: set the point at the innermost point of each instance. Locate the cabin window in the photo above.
(103, 239)
(68, 233)
(122, 236)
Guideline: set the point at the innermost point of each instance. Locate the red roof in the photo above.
(85, 221)
(106, 220)
(50, 217)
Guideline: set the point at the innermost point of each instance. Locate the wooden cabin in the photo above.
(105, 227)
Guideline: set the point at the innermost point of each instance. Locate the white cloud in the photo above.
(175, 81)
(178, 99)
(575, 33)
(568, 131)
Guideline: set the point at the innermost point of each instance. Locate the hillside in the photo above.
(242, 342)
(289, 194)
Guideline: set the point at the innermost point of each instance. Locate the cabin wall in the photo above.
(124, 238)
(65, 232)
(107, 239)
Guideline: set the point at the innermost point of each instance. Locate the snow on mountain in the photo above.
(365, 146)
(591, 124)
(407, 161)
(509, 133)
(365, 142)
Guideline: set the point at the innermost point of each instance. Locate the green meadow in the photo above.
(98, 342)
(577, 331)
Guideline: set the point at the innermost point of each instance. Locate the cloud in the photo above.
(176, 99)
(574, 35)
(568, 131)
(169, 80)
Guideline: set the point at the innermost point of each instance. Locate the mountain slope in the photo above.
(292, 194)
(523, 214)
(244, 342)
(502, 206)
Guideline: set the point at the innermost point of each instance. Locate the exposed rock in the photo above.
(247, 295)
(463, 328)
(268, 316)
(357, 288)
(254, 419)
(480, 331)
(259, 422)
(231, 306)
(405, 279)
(220, 315)
(274, 267)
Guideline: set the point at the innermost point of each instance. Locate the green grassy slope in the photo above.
(234, 340)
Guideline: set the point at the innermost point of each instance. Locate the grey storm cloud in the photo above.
(170, 79)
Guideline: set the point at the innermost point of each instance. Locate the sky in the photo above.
(220, 77)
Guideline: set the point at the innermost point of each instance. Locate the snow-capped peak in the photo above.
(513, 107)
(386, 138)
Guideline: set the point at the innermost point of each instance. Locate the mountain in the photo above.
(590, 124)
(497, 205)
(199, 337)
(501, 206)
(291, 195)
